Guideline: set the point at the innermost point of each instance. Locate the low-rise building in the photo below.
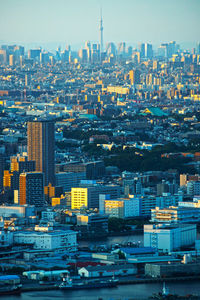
(108, 270)
(167, 238)
(175, 214)
(20, 211)
(174, 269)
(59, 240)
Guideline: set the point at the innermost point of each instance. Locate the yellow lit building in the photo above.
(55, 201)
(89, 196)
(114, 208)
(118, 90)
(79, 198)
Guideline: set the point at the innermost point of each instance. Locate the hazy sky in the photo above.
(75, 21)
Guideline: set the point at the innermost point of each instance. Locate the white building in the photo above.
(168, 238)
(56, 240)
(20, 211)
(108, 270)
(175, 214)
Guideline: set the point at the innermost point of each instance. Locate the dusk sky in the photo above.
(74, 22)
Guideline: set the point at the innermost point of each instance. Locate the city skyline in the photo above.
(51, 23)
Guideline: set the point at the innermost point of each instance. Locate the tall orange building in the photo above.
(41, 143)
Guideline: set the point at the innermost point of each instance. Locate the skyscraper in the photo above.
(148, 50)
(141, 48)
(101, 33)
(134, 76)
(41, 142)
(121, 48)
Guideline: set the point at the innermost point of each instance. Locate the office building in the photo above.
(11, 60)
(3, 56)
(93, 170)
(198, 48)
(31, 189)
(41, 143)
(93, 222)
(19, 211)
(142, 50)
(121, 48)
(134, 76)
(148, 50)
(147, 203)
(193, 187)
(119, 208)
(83, 55)
(2, 165)
(88, 197)
(68, 180)
(175, 214)
(34, 53)
(167, 200)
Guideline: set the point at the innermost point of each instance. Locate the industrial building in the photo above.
(167, 238)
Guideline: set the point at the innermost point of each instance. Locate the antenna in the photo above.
(101, 31)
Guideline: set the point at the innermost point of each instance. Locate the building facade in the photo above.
(167, 238)
(31, 189)
(175, 214)
(89, 196)
(60, 240)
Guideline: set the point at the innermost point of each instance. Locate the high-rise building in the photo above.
(142, 50)
(148, 50)
(2, 165)
(11, 60)
(83, 54)
(41, 142)
(111, 49)
(27, 79)
(31, 188)
(34, 53)
(3, 56)
(198, 48)
(121, 48)
(134, 76)
(88, 48)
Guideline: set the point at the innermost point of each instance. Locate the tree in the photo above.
(115, 224)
